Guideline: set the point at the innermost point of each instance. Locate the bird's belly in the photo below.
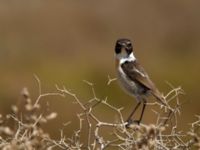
(129, 86)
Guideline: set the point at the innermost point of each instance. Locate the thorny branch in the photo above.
(136, 136)
(28, 133)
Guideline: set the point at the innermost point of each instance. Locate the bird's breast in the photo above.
(128, 85)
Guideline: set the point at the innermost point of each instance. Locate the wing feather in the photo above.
(135, 72)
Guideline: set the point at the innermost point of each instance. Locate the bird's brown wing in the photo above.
(135, 72)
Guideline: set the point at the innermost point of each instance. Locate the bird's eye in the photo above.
(129, 45)
(117, 49)
(129, 48)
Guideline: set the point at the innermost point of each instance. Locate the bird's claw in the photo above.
(131, 122)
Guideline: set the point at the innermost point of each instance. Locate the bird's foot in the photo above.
(132, 122)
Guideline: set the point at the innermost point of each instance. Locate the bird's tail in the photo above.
(159, 98)
(162, 101)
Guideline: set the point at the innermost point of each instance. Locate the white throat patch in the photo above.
(131, 57)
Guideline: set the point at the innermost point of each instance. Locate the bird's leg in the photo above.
(132, 113)
(143, 108)
(141, 116)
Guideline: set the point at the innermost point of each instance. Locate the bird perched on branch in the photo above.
(132, 77)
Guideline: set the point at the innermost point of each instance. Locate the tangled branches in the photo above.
(161, 135)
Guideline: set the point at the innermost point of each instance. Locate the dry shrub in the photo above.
(26, 131)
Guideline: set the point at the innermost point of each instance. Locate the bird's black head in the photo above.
(123, 44)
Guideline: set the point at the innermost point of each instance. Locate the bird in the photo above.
(133, 79)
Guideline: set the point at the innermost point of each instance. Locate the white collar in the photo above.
(131, 57)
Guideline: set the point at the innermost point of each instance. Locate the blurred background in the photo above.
(66, 42)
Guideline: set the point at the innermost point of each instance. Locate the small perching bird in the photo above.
(132, 77)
